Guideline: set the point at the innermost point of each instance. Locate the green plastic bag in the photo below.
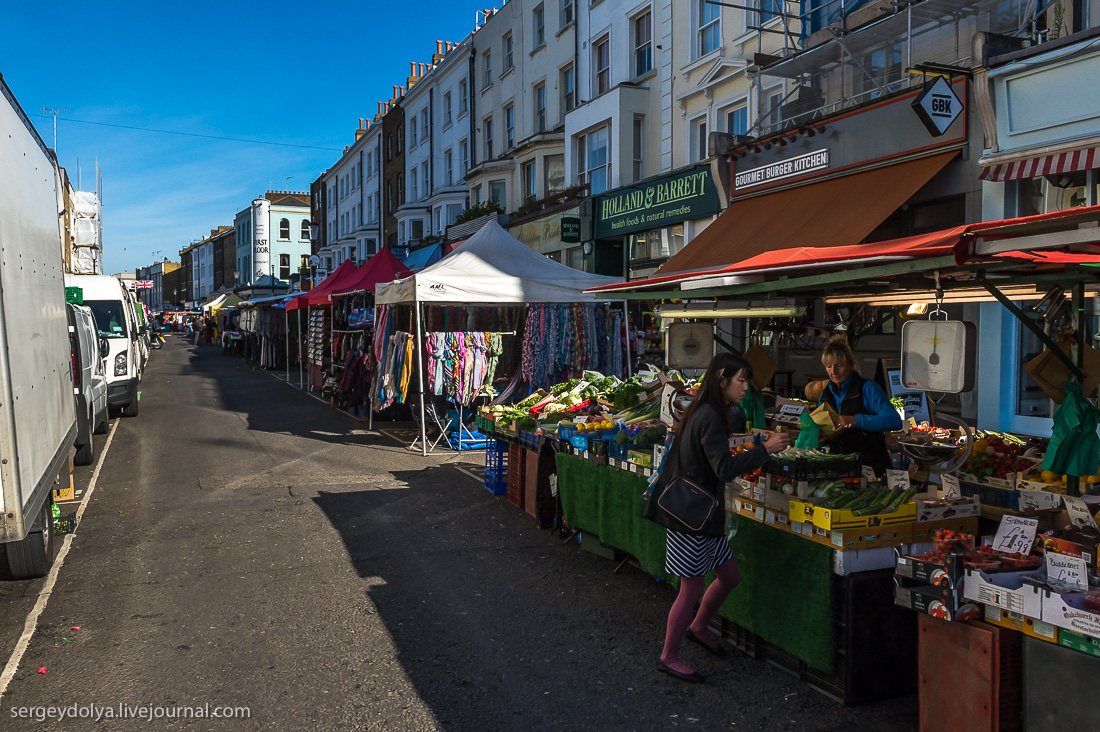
(1074, 446)
(809, 434)
(752, 404)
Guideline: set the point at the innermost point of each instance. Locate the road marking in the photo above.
(51, 578)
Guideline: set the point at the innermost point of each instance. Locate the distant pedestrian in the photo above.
(702, 454)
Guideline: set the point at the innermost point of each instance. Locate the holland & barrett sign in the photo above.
(670, 199)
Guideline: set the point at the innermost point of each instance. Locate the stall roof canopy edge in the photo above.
(493, 267)
(1029, 241)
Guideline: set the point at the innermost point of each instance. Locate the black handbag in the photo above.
(687, 503)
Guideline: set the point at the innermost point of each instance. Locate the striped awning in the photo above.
(1066, 162)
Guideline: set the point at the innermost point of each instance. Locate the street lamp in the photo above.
(314, 260)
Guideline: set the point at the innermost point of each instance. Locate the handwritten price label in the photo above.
(897, 480)
(868, 473)
(1064, 568)
(1016, 534)
(1038, 500)
(1078, 512)
(950, 485)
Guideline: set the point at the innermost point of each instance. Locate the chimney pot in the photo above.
(439, 46)
(412, 68)
(361, 122)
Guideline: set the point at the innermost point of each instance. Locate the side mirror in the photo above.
(104, 348)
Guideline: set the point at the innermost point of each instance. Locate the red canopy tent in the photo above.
(319, 295)
(382, 267)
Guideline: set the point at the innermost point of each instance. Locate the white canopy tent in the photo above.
(492, 267)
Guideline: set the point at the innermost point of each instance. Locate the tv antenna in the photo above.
(54, 112)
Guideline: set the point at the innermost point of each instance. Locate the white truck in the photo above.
(37, 416)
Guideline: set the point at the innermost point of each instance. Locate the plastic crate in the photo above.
(515, 475)
(496, 467)
(990, 496)
(529, 439)
(485, 425)
(971, 676)
(617, 451)
(566, 432)
(806, 469)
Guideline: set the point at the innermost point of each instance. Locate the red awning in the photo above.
(318, 296)
(382, 267)
(956, 241)
(1066, 162)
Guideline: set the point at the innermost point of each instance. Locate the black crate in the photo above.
(806, 469)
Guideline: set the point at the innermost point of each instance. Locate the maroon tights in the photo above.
(680, 617)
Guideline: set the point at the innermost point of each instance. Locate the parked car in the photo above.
(89, 381)
(112, 307)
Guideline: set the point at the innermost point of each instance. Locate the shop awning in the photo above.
(1034, 167)
(319, 295)
(1059, 238)
(837, 212)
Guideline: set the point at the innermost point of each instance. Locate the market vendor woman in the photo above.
(865, 411)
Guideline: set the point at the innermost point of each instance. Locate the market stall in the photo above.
(967, 523)
(317, 328)
(352, 330)
(493, 271)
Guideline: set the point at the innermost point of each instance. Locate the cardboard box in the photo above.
(925, 531)
(948, 575)
(1086, 547)
(931, 510)
(1015, 621)
(1079, 642)
(850, 561)
(1005, 590)
(1068, 611)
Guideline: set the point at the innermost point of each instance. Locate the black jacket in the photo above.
(702, 453)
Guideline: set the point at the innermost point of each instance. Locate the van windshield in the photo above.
(110, 318)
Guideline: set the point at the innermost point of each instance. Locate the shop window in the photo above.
(657, 243)
(575, 258)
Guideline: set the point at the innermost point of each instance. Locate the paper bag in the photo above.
(763, 368)
(826, 419)
(1051, 374)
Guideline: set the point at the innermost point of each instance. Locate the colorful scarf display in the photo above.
(561, 341)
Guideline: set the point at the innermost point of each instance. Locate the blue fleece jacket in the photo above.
(883, 417)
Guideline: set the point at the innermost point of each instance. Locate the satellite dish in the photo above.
(690, 345)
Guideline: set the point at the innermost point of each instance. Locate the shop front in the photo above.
(556, 235)
(1041, 158)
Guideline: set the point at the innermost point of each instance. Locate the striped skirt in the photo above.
(687, 555)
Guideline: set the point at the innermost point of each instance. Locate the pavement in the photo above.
(248, 547)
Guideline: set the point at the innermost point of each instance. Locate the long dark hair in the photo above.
(710, 391)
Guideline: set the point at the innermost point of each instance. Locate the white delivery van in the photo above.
(89, 381)
(113, 311)
(37, 419)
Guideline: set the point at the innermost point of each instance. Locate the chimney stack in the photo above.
(361, 131)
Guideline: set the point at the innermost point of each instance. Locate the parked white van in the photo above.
(89, 352)
(114, 316)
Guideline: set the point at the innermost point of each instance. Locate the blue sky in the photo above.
(295, 73)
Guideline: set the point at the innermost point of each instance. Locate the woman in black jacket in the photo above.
(703, 454)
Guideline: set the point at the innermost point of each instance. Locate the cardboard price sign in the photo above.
(1016, 534)
(1078, 512)
(1064, 568)
(868, 473)
(1039, 500)
(897, 480)
(950, 483)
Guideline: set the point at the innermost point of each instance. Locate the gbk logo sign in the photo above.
(938, 107)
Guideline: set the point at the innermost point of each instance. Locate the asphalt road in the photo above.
(247, 546)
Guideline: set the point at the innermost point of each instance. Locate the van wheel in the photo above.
(86, 455)
(131, 409)
(33, 556)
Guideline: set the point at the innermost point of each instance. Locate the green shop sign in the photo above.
(683, 196)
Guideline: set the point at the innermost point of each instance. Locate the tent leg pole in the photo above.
(420, 382)
(301, 365)
(626, 341)
(374, 356)
(286, 324)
